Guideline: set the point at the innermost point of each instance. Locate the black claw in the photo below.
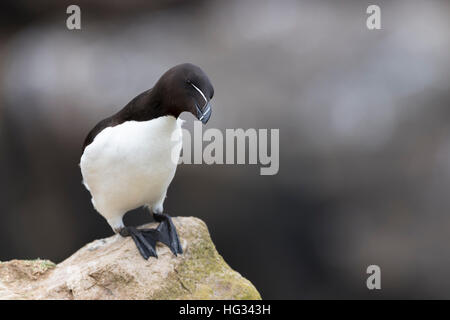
(165, 237)
(145, 239)
(146, 246)
(168, 233)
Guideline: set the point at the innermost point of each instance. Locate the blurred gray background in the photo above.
(364, 121)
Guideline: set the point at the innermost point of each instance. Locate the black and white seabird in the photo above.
(130, 158)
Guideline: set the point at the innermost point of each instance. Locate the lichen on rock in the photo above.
(112, 268)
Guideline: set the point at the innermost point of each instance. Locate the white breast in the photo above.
(132, 164)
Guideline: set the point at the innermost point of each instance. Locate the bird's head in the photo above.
(186, 87)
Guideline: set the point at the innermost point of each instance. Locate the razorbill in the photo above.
(130, 158)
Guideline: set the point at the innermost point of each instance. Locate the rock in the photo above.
(112, 268)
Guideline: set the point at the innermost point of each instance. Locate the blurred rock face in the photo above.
(364, 135)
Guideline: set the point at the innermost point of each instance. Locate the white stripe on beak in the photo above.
(206, 100)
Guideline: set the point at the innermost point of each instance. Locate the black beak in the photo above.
(205, 114)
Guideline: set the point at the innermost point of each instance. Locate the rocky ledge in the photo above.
(112, 268)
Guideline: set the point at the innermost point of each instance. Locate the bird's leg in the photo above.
(168, 233)
(145, 244)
